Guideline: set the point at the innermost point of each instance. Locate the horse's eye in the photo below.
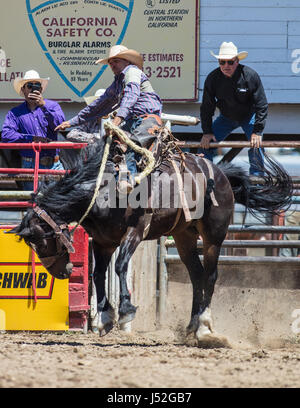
(41, 242)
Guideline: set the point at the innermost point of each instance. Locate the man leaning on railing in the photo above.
(237, 91)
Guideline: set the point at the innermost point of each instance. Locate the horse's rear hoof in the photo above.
(126, 318)
(191, 329)
(106, 329)
(213, 340)
(193, 325)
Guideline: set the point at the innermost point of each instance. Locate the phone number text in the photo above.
(163, 72)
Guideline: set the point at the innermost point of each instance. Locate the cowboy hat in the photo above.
(28, 77)
(120, 51)
(228, 51)
(90, 99)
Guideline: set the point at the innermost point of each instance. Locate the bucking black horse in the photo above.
(115, 221)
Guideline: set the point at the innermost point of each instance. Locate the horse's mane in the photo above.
(73, 187)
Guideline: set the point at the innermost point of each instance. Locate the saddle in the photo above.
(163, 148)
(166, 153)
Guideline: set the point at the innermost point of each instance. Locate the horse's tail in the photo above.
(271, 197)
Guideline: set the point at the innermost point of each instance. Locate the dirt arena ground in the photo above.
(157, 359)
(254, 315)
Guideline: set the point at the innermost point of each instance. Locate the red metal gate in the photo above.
(78, 282)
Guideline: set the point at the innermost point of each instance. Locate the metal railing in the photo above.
(35, 175)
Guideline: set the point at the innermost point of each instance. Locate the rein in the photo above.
(58, 229)
(98, 182)
(141, 150)
(110, 128)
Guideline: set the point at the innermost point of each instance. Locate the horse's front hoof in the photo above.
(126, 318)
(104, 321)
(106, 329)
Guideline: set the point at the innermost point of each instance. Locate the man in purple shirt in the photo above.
(34, 120)
(139, 105)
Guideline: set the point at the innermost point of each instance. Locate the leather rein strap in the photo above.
(58, 229)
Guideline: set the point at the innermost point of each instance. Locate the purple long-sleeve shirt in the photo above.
(131, 91)
(21, 124)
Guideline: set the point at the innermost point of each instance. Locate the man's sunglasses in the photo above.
(35, 86)
(229, 62)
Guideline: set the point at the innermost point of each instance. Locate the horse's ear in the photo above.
(22, 229)
(15, 230)
(19, 230)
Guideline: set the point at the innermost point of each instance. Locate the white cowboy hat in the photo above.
(228, 51)
(90, 99)
(28, 77)
(120, 51)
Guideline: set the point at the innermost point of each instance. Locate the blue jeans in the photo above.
(28, 185)
(222, 127)
(131, 156)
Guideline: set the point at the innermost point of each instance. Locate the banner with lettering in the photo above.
(63, 39)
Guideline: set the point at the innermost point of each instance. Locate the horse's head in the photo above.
(50, 239)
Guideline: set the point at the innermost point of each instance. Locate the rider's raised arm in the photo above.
(100, 107)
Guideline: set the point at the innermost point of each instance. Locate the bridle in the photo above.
(61, 240)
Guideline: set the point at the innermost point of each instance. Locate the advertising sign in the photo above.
(63, 39)
(18, 310)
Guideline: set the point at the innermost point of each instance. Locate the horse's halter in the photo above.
(61, 239)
